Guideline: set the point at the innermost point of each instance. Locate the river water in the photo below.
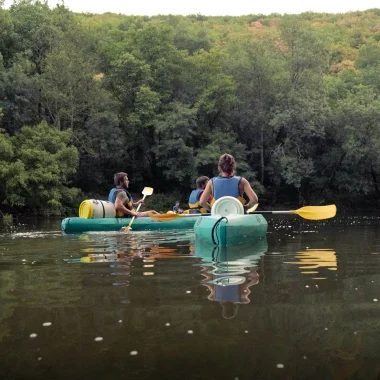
(302, 303)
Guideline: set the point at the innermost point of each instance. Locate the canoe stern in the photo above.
(230, 230)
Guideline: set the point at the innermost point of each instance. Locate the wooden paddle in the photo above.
(146, 191)
(307, 212)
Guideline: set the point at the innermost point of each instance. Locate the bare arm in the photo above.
(252, 196)
(206, 195)
(119, 205)
(138, 202)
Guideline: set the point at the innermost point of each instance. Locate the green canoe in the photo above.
(230, 230)
(77, 225)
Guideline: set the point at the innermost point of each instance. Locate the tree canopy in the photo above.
(294, 98)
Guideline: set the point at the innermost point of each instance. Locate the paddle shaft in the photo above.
(188, 215)
(253, 212)
(137, 210)
(271, 212)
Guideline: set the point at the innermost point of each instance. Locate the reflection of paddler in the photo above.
(102, 257)
(105, 257)
(153, 253)
(232, 289)
(230, 292)
(229, 272)
(158, 252)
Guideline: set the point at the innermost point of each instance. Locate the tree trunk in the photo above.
(375, 182)
(262, 153)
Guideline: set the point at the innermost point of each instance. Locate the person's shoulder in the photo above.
(121, 194)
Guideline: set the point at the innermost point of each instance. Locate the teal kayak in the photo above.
(249, 250)
(77, 225)
(231, 229)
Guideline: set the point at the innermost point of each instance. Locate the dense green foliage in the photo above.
(35, 165)
(294, 98)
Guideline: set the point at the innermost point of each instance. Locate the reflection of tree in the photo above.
(8, 281)
(31, 286)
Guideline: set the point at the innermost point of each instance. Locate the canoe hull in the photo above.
(230, 230)
(78, 225)
(250, 250)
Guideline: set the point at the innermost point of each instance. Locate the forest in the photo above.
(295, 98)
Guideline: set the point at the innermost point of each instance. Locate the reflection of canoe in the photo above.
(229, 230)
(75, 224)
(228, 272)
(252, 250)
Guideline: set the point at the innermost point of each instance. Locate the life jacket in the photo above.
(194, 206)
(226, 186)
(228, 293)
(112, 198)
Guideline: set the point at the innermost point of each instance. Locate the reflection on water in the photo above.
(229, 272)
(311, 261)
(159, 305)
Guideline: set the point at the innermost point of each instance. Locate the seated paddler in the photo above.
(122, 198)
(194, 205)
(177, 208)
(228, 184)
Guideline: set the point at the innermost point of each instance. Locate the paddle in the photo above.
(307, 212)
(172, 216)
(167, 217)
(253, 208)
(145, 192)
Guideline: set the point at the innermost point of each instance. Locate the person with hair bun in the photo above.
(228, 184)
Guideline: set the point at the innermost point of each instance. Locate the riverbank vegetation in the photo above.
(295, 98)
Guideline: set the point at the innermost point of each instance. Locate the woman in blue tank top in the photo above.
(227, 184)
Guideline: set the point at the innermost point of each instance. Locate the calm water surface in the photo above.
(302, 303)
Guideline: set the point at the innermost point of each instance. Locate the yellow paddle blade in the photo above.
(147, 191)
(253, 208)
(315, 212)
(165, 217)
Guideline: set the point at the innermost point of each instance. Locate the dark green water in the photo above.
(300, 304)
